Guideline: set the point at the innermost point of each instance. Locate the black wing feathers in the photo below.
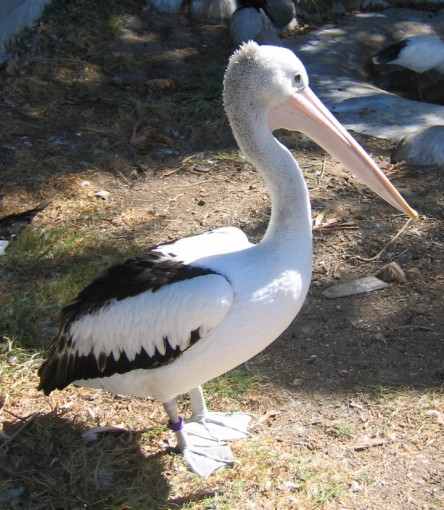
(13, 224)
(61, 369)
(391, 53)
(135, 276)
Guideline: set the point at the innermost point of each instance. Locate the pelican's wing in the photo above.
(214, 242)
(143, 313)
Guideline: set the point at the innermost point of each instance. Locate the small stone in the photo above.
(425, 147)
(355, 487)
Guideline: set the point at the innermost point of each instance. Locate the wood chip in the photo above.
(354, 287)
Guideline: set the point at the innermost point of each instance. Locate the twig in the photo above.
(130, 184)
(171, 172)
(392, 240)
(324, 164)
(415, 326)
(20, 429)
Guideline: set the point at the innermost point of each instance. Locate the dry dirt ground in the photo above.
(126, 141)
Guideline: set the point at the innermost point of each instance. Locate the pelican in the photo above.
(164, 324)
(419, 53)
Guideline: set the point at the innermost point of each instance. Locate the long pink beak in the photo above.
(304, 112)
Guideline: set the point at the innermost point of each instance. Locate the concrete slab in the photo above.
(15, 15)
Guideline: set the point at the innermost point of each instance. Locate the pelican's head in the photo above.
(272, 85)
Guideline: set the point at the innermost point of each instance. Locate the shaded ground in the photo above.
(348, 402)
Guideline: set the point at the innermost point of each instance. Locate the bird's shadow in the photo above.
(46, 463)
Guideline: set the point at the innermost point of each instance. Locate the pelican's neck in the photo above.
(290, 222)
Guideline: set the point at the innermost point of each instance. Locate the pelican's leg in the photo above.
(202, 455)
(198, 405)
(176, 423)
(216, 426)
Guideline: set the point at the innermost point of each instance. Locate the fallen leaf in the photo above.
(104, 195)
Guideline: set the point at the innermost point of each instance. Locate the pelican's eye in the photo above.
(297, 79)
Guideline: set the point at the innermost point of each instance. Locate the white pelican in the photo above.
(419, 53)
(187, 312)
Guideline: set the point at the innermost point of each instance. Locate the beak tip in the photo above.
(414, 214)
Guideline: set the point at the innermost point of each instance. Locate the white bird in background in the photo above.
(164, 324)
(419, 53)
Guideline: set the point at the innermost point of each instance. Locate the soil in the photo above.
(67, 134)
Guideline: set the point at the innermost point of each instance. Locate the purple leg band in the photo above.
(175, 427)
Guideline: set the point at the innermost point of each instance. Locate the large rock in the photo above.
(15, 15)
(212, 11)
(426, 147)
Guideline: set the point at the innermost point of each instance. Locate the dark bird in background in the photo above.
(13, 224)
